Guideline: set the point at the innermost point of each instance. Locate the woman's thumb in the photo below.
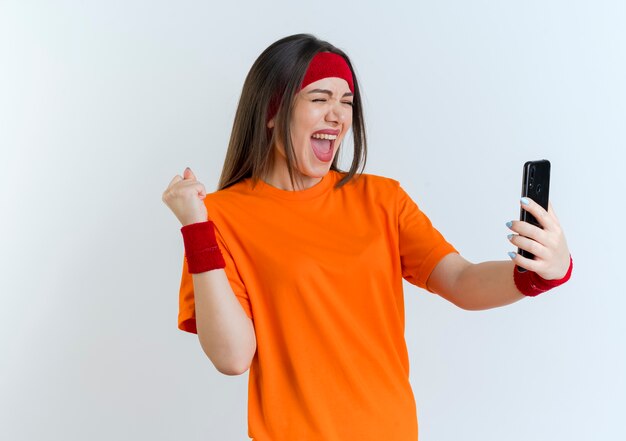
(188, 174)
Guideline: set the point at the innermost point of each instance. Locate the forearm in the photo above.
(491, 284)
(486, 285)
(225, 332)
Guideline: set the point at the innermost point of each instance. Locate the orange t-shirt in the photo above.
(319, 272)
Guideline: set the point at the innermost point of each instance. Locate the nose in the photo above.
(336, 113)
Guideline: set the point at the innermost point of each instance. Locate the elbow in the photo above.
(461, 302)
(233, 370)
(232, 367)
(466, 307)
(237, 366)
(473, 308)
(229, 356)
(477, 306)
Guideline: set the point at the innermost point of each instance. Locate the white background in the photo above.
(102, 103)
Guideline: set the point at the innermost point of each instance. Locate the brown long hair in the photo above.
(276, 77)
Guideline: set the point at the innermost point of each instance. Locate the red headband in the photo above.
(323, 65)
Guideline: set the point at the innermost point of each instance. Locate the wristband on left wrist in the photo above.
(532, 284)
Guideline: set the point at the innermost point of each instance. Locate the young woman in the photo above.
(294, 268)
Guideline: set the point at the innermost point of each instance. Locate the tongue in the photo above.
(323, 149)
(321, 145)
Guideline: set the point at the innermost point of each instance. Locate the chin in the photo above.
(319, 171)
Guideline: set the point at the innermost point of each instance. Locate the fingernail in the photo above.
(525, 201)
(509, 224)
(510, 236)
(512, 254)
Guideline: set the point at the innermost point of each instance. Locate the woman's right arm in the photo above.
(225, 332)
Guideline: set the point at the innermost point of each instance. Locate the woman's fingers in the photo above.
(553, 214)
(547, 244)
(181, 183)
(188, 179)
(174, 180)
(528, 230)
(184, 197)
(528, 264)
(198, 187)
(529, 245)
(545, 220)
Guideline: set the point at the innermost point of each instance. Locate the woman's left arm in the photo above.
(490, 284)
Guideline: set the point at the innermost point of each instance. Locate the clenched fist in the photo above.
(184, 196)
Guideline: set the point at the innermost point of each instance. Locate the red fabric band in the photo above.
(202, 252)
(326, 65)
(323, 65)
(532, 284)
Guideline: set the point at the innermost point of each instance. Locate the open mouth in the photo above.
(323, 146)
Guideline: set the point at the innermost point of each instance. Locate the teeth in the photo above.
(324, 136)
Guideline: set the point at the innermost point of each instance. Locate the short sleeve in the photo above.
(187, 306)
(422, 246)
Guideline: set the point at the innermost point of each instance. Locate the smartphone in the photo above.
(536, 186)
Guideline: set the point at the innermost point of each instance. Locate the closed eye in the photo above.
(350, 103)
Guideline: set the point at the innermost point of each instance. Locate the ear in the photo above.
(270, 124)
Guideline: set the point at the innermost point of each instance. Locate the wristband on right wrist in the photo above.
(202, 253)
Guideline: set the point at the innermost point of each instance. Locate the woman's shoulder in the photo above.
(373, 182)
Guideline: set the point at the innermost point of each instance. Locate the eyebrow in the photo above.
(328, 92)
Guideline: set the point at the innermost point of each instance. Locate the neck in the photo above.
(281, 180)
(278, 177)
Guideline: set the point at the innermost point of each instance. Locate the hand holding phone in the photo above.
(536, 186)
(553, 260)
